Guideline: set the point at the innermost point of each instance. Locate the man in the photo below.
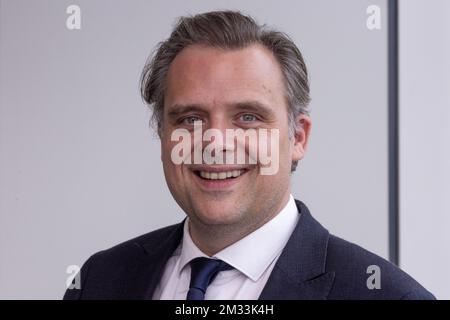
(244, 237)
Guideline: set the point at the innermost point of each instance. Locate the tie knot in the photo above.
(203, 272)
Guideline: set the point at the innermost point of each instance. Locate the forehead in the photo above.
(213, 76)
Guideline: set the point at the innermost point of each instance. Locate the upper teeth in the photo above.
(220, 175)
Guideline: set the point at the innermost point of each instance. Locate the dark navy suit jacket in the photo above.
(313, 265)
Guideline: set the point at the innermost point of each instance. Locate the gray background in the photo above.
(425, 142)
(80, 169)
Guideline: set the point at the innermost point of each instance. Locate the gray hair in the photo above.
(226, 30)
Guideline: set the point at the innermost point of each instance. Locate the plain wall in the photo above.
(80, 169)
(424, 32)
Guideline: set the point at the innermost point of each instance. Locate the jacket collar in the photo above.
(300, 270)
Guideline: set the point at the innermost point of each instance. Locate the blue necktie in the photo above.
(203, 272)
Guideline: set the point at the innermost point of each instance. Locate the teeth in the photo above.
(220, 175)
(205, 175)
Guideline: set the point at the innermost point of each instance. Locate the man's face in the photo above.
(228, 89)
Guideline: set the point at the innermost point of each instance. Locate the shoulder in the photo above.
(136, 246)
(360, 274)
(111, 267)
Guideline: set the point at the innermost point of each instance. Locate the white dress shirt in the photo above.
(253, 258)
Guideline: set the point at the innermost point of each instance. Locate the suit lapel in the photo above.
(155, 259)
(300, 271)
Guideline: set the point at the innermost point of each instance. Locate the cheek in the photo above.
(165, 154)
(166, 150)
(170, 170)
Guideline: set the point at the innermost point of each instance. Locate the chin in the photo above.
(216, 212)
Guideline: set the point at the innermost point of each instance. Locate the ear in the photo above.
(301, 137)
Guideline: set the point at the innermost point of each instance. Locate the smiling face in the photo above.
(228, 89)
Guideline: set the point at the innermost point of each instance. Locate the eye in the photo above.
(248, 117)
(190, 120)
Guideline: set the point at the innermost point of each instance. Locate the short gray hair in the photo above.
(227, 30)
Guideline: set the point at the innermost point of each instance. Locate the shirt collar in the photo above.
(252, 254)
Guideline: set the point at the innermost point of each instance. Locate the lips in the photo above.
(220, 175)
(218, 178)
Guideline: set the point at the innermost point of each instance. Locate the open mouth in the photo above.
(222, 175)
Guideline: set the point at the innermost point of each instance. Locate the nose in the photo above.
(216, 132)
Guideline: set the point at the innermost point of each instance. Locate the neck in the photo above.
(211, 239)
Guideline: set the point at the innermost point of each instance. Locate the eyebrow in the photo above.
(254, 106)
(251, 106)
(179, 109)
